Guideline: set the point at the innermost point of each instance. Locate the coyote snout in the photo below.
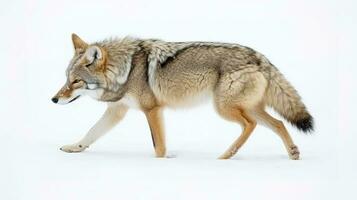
(67, 95)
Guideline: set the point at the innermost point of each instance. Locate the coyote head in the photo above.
(92, 73)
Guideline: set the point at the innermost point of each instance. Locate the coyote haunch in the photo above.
(153, 74)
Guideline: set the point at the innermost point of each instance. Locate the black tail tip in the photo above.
(305, 124)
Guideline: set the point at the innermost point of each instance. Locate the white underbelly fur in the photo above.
(130, 101)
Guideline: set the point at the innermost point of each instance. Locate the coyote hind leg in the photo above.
(279, 128)
(236, 94)
(248, 125)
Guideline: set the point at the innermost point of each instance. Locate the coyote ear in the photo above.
(78, 43)
(94, 53)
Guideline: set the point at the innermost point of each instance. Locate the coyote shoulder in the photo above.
(153, 74)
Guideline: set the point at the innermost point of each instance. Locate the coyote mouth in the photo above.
(74, 98)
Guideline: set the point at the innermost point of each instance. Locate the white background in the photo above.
(311, 42)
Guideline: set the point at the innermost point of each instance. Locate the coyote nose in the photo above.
(54, 100)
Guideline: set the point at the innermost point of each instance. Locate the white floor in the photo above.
(122, 166)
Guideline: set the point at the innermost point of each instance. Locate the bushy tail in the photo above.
(286, 101)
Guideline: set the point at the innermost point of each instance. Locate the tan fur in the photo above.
(278, 127)
(152, 74)
(240, 115)
(154, 117)
(78, 43)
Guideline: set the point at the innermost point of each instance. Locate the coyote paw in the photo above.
(160, 152)
(294, 152)
(73, 148)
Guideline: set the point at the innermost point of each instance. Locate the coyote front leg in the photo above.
(111, 117)
(154, 117)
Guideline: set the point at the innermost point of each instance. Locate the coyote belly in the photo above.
(153, 74)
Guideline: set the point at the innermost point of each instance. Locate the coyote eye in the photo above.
(87, 65)
(76, 81)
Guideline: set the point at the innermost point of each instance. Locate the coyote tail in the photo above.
(283, 97)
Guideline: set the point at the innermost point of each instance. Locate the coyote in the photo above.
(150, 74)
